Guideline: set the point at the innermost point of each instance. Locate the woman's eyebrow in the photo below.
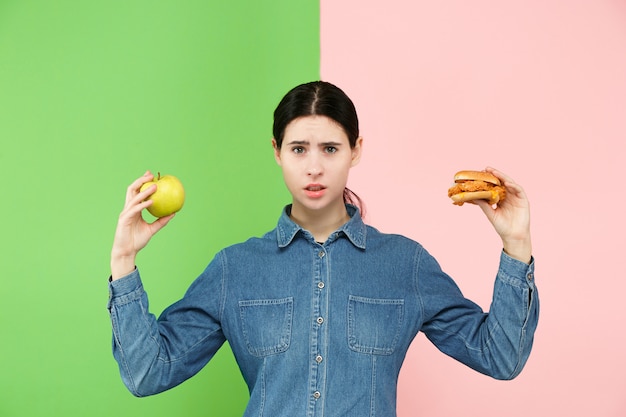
(306, 142)
(298, 142)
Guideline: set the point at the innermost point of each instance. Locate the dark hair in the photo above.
(319, 98)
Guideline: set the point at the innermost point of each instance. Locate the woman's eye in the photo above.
(298, 149)
(331, 149)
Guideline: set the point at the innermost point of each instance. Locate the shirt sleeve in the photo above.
(157, 354)
(496, 343)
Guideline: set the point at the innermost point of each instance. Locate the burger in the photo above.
(476, 185)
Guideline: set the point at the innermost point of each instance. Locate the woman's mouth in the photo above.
(314, 190)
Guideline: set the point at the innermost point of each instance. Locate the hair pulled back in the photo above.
(319, 98)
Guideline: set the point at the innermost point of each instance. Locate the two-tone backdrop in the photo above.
(93, 94)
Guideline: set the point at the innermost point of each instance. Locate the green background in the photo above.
(92, 94)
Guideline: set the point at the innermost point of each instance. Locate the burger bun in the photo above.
(476, 176)
(470, 196)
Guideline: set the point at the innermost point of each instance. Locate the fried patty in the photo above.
(468, 186)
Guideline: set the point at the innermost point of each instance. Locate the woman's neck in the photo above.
(320, 223)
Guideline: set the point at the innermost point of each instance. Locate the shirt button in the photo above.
(530, 276)
(320, 320)
(317, 395)
(321, 254)
(319, 359)
(320, 285)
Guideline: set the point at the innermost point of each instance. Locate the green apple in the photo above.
(169, 196)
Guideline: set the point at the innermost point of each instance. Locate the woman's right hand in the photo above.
(133, 233)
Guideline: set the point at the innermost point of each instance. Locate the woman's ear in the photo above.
(276, 151)
(356, 151)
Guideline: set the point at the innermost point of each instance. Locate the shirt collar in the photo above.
(354, 228)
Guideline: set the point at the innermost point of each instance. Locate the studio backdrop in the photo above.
(93, 94)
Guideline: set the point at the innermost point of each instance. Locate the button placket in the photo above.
(319, 340)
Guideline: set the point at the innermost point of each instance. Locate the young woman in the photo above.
(320, 311)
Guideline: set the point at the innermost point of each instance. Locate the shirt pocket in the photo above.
(266, 325)
(374, 324)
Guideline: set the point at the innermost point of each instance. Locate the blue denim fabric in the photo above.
(321, 329)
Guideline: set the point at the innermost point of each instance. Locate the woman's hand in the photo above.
(511, 218)
(133, 233)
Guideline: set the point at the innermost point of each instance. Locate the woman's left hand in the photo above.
(511, 218)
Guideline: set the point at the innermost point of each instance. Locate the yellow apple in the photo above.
(169, 196)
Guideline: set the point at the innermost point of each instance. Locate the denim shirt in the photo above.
(321, 329)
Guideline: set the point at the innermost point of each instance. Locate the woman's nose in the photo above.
(314, 171)
(314, 167)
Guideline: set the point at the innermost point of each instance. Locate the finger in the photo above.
(135, 209)
(514, 189)
(138, 202)
(503, 177)
(507, 181)
(142, 195)
(133, 188)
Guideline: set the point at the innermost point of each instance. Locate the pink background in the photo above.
(538, 90)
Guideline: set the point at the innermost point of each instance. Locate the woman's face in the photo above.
(316, 158)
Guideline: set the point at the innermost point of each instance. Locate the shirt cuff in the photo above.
(516, 269)
(125, 289)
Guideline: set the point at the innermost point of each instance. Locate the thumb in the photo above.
(161, 222)
(486, 208)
